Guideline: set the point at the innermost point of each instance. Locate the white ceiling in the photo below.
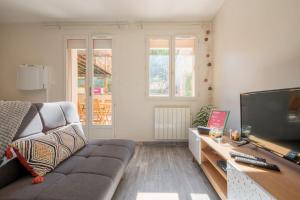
(107, 10)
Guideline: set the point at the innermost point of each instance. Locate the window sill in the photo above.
(172, 98)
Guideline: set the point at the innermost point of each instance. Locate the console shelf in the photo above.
(244, 181)
(215, 178)
(213, 157)
(216, 175)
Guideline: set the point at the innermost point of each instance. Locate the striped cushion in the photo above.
(42, 154)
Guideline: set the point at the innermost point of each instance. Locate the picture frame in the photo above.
(218, 119)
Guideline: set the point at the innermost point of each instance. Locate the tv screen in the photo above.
(273, 116)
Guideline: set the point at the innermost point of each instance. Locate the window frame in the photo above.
(172, 55)
(163, 37)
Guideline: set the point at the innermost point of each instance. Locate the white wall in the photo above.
(257, 47)
(35, 44)
(30, 45)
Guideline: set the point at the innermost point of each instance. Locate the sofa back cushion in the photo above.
(31, 124)
(52, 115)
(69, 112)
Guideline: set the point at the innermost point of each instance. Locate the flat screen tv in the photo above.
(272, 119)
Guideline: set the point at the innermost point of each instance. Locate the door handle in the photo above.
(90, 91)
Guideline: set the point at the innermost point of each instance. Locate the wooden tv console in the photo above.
(242, 181)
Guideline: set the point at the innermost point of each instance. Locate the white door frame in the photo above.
(107, 131)
(92, 131)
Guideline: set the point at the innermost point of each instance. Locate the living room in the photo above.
(137, 74)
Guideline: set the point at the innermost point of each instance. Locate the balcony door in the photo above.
(89, 83)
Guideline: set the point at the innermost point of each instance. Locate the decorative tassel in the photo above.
(38, 179)
(8, 153)
(23, 162)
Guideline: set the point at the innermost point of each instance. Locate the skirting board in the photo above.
(163, 143)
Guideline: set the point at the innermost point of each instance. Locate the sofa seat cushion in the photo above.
(116, 142)
(59, 186)
(108, 167)
(92, 173)
(79, 186)
(101, 157)
(25, 190)
(118, 149)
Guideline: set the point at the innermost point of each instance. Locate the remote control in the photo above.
(222, 164)
(243, 155)
(257, 163)
(241, 143)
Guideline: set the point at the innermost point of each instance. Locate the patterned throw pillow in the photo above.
(42, 154)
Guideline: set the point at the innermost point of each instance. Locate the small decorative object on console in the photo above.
(235, 135)
(246, 131)
(215, 133)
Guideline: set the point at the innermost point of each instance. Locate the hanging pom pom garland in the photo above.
(208, 59)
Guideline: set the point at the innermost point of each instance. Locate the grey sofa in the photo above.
(93, 173)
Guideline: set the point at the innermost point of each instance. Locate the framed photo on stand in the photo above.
(218, 119)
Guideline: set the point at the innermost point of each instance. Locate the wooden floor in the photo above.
(164, 172)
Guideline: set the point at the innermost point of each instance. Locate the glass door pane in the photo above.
(102, 82)
(77, 75)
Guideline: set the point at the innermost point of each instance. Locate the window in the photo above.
(176, 79)
(184, 66)
(159, 62)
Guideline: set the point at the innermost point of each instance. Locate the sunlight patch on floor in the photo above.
(157, 196)
(195, 196)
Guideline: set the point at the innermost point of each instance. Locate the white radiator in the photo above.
(172, 123)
